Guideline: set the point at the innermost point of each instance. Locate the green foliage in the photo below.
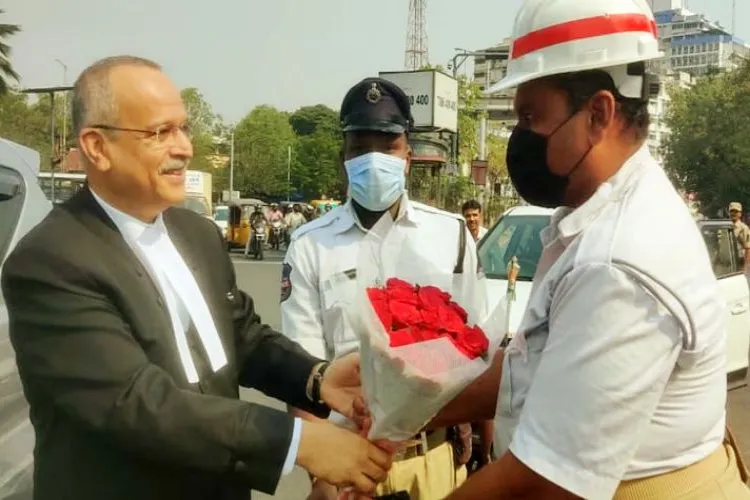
(316, 169)
(204, 123)
(262, 141)
(469, 115)
(29, 124)
(707, 151)
(6, 68)
(497, 148)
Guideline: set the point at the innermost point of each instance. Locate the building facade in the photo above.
(693, 44)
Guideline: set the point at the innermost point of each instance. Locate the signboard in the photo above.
(433, 97)
(194, 182)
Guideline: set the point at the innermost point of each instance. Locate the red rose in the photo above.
(450, 321)
(460, 310)
(379, 302)
(394, 283)
(403, 295)
(404, 314)
(402, 337)
(432, 297)
(473, 342)
(430, 319)
(425, 334)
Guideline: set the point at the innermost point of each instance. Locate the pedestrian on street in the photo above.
(472, 212)
(132, 338)
(319, 270)
(614, 386)
(741, 233)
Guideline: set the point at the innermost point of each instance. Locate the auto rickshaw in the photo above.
(238, 228)
(323, 206)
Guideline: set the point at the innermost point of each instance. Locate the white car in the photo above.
(517, 233)
(221, 218)
(22, 206)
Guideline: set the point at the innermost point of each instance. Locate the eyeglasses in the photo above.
(162, 136)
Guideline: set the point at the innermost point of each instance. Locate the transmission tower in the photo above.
(417, 56)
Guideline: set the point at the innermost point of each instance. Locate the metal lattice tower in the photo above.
(417, 56)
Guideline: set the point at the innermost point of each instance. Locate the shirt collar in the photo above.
(347, 217)
(131, 228)
(567, 223)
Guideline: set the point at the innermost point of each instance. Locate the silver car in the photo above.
(22, 206)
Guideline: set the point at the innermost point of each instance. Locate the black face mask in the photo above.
(527, 166)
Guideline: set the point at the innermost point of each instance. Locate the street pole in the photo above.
(231, 167)
(53, 142)
(65, 115)
(289, 174)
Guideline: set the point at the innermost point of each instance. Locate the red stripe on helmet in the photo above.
(581, 29)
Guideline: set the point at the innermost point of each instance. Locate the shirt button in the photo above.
(240, 467)
(160, 302)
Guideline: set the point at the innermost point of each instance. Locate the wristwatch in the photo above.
(316, 381)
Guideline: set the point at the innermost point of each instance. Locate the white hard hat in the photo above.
(551, 37)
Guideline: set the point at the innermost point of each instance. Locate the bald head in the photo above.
(94, 100)
(133, 134)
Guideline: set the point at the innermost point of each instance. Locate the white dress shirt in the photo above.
(185, 302)
(600, 384)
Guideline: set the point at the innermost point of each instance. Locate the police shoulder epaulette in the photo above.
(430, 209)
(319, 223)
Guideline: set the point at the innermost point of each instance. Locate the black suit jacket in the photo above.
(114, 415)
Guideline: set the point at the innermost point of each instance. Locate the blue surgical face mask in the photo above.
(376, 180)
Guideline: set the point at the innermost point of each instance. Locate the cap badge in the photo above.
(374, 95)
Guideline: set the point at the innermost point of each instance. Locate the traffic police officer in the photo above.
(615, 383)
(741, 232)
(319, 271)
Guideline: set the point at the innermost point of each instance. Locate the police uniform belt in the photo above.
(416, 447)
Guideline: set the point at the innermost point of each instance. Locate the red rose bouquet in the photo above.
(411, 314)
(422, 340)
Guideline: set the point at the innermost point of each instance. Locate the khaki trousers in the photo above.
(430, 476)
(720, 476)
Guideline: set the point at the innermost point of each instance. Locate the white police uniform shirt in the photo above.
(603, 384)
(319, 271)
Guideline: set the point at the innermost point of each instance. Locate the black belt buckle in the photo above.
(401, 495)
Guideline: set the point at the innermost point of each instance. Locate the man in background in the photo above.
(472, 212)
(741, 232)
(294, 219)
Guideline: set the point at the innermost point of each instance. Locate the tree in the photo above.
(707, 151)
(26, 123)
(497, 148)
(469, 115)
(317, 164)
(262, 140)
(6, 68)
(309, 119)
(204, 123)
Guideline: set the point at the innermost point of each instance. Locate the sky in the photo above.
(243, 53)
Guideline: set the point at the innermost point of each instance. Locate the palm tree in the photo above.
(6, 68)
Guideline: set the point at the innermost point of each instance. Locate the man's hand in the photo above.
(341, 457)
(341, 384)
(323, 491)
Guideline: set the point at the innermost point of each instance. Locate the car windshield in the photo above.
(221, 214)
(513, 235)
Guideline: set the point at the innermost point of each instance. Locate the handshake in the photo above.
(336, 455)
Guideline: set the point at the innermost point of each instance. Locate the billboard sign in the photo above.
(193, 181)
(433, 96)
